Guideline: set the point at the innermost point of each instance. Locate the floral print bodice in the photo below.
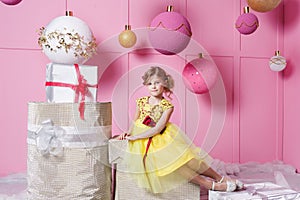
(153, 111)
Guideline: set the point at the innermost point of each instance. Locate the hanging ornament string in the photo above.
(127, 38)
(66, 7)
(277, 62)
(128, 11)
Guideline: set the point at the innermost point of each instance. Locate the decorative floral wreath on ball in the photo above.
(68, 41)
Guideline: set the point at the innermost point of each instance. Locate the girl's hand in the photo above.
(131, 137)
(122, 136)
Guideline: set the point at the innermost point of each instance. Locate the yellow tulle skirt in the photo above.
(172, 159)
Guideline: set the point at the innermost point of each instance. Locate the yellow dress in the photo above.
(168, 161)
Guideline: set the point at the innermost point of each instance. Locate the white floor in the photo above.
(13, 187)
(275, 172)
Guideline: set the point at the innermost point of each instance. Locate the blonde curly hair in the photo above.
(168, 81)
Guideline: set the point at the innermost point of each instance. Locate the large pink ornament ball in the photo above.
(170, 32)
(247, 23)
(200, 75)
(67, 40)
(263, 5)
(11, 2)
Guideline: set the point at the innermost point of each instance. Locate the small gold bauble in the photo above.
(127, 38)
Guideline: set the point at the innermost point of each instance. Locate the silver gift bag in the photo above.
(68, 156)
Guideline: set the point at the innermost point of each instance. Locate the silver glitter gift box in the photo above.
(68, 156)
(127, 189)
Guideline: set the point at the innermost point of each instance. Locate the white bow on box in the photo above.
(51, 140)
(48, 139)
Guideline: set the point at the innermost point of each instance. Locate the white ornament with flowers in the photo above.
(67, 40)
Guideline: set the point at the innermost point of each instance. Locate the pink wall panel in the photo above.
(23, 20)
(262, 112)
(213, 25)
(105, 18)
(21, 80)
(227, 146)
(108, 86)
(291, 147)
(150, 9)
(257, 111)
(268, 36)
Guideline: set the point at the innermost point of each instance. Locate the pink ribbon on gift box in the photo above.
(80, 90)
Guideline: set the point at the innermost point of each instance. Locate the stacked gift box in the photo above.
(68, 137)
(68, 134)
(127, 188)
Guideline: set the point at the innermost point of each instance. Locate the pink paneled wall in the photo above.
(291, 86)
(261, 105)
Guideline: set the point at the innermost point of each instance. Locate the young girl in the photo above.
(159, 155)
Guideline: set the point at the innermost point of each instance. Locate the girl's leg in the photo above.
(212, 174)
(203, 169)
(194, 177)
(218, 178)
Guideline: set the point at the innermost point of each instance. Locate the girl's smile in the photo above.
(156, 87)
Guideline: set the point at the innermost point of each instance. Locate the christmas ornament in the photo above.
(67, 40)
(200, 75)
(263, 5)
(11, 2)
(277, 62)
(127, 38)
(246, 23)
(169, 32)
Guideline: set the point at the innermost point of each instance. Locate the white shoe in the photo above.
(239, 184)
(230, 186)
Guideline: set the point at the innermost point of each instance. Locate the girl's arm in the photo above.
(160, 125)
(136, 116)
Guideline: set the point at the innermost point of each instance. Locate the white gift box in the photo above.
(117, 149)
(257, 191)
(62, 83)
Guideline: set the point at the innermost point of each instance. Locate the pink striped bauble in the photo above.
(247, 23)
(169, 32)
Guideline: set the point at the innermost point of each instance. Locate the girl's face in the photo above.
(155, 86)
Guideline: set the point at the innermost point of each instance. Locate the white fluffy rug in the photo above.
(13, 187)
